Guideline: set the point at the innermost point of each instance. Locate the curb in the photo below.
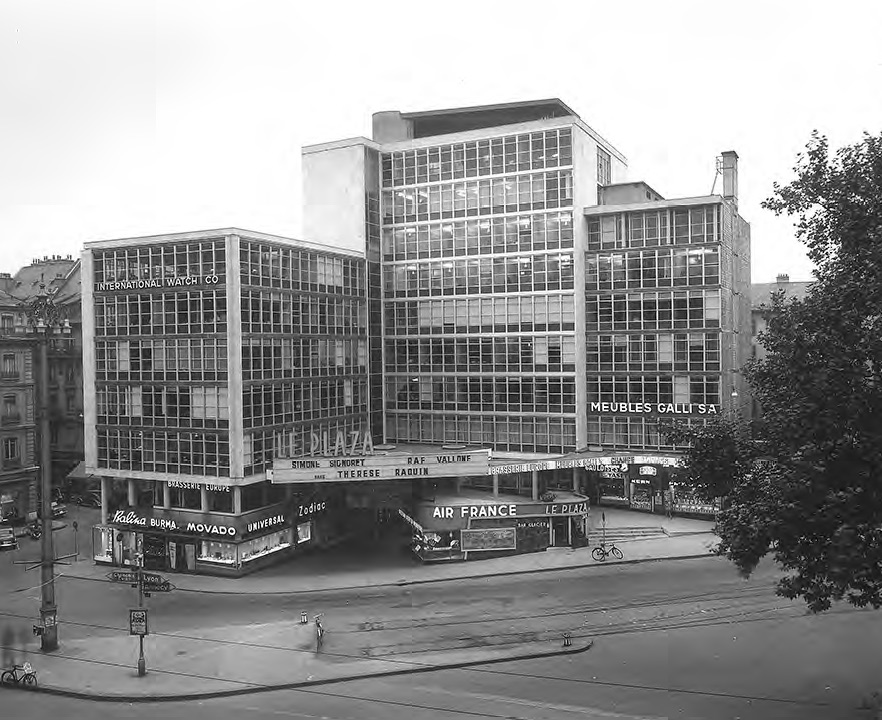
(427, 581)
(294, 685)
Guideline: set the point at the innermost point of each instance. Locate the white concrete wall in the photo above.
(90, 409)
(334, 196)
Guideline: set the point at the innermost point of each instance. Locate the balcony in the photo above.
(10, 374)
(12, 418)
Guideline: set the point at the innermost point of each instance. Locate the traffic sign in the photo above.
(138, 621)
(164, 586)
(120, 576)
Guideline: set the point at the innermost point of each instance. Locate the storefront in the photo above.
(182, 541)
(474, 524)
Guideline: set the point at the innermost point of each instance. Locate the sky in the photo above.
(123, 119)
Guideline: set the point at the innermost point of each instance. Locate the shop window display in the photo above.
(217, 552)
(102, 540)
(304, 532)
(258, 547)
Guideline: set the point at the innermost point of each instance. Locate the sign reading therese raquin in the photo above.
(380, 467)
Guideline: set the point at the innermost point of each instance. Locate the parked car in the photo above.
(90, 499)
(58, 510)
(12, 517)
(8, 540)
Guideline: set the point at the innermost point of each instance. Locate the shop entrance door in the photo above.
(155, 555)
(560, 528)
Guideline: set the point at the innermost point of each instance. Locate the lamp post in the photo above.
(41, 321)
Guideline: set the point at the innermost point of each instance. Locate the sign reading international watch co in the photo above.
(379, 467)
(169, 282)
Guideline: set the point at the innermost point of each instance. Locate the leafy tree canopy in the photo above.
(817, 505)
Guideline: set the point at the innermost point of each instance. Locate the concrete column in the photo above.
(132, 495)
(204, 497)
(457, 484)
(166, 496)
(495, 484)
(535, 484)
(105, 498)
(577, 476)
(237, 500)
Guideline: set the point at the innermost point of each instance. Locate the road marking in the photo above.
(578, 709)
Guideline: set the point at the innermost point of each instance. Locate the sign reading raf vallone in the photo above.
(379, 466)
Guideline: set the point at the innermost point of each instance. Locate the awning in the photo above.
(79, 472)
(410, 521)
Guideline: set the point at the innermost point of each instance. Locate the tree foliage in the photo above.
(817, 505)
(718, 455)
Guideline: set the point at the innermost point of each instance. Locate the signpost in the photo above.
(146, 584)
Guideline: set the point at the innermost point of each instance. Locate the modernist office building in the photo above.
(203, 352)
(533, 300)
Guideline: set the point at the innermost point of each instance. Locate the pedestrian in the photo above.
(669, 503)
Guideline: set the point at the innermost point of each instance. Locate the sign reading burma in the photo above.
(379, 467)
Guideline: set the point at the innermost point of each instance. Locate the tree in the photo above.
(817, 505)
(718, 455)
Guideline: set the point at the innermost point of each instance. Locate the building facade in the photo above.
(19, 474)
(535, 301)
(205, 354)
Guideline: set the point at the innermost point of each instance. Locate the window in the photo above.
(10, 368)
(11, 449)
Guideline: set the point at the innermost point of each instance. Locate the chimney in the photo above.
(782, 278)
(730, 176)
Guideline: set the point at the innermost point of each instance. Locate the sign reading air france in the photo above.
(380, 467)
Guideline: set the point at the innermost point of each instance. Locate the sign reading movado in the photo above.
(123, 517)
(661, 408)
(182, 281)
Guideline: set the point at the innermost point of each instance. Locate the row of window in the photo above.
(182, 406)
(179, 313)
(191, 498)
(654, 389)
(663, 267)
(528, 434)
(188, 453)
(481, 315)
(672, 351)
(555, 353)
(653, 310)
(518, 193)
(513, 273)
(201, 258)
(265, 358)
(654, 227)
(261, 446)
(181, 359)
(280, 404)
(288, 313)
(492, 236)
(631, 433)
(543, 395)
(277, 266)
(514, 153)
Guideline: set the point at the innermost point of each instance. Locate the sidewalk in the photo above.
(232, 659)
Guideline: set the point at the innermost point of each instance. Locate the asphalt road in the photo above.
(677, 639)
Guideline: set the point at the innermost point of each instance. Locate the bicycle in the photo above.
(19, 675)
(601, 552)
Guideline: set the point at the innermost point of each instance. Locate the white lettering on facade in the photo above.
(157, 283)
(660, 408)
(266, 522)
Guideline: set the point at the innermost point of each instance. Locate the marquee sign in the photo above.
(379, 467)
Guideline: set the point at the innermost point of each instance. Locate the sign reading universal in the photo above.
(169, 282)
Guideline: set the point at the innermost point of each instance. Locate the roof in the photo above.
(761, 293)
(429, 123)
(218, 233)
(592, 210)
(52, 272)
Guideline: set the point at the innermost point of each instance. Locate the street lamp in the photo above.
(41, 321)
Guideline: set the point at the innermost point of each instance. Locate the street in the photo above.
(686, 639)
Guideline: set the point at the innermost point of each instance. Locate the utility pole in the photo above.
(40, 321)
(142, 663)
